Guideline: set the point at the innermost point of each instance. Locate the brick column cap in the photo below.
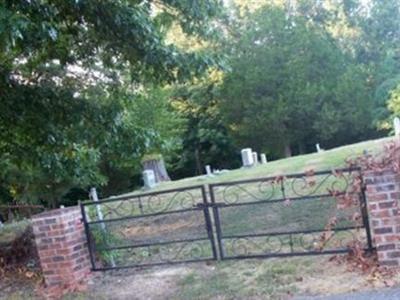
(55, 212)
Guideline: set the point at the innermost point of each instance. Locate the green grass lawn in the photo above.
(245, 279)
(326, 160)
(278, 279)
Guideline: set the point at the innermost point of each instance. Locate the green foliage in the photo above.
(104, 239)
(113, 32)
(205, 140)
(73, 104)
(89, 88)
(394, 101)
(376, 46)
(289, 86)
(393, 105)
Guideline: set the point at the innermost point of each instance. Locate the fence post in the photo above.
(95, 198)
(62, 249)
(383, 195)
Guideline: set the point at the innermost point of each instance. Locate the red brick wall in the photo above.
(61, 245)
(383, 196)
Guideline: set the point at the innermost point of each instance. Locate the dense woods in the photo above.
(88, 88)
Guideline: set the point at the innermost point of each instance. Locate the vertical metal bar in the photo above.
(364, 213)
(140, 205)
(217, 223)
(284, 197)
(291, 242)
(208, 223)
(88, 239)
(95, 198)
(219, 232)
(283, 190)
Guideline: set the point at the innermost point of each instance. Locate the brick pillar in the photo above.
(61, 245)
(383, 196)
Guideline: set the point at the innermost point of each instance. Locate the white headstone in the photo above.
(318, 148)
(396, 125)
(263, 158)
(149, 179)
(255, 158)
(208, 170)
(247, 157)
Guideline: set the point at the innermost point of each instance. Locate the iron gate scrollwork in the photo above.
(166, 227)
(289, 215)
(264, 217)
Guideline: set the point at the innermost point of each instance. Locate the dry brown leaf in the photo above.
(29, 274)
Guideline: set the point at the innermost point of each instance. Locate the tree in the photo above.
(376, 46)
(205, 138)
(287, 88)
(63, 80)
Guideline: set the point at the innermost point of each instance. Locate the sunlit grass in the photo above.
(326, 160)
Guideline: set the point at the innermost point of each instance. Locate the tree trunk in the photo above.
(158, 167)
(301, 148)
(198, 162)
(288, 151)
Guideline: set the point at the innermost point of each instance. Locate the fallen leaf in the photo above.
(29, 274)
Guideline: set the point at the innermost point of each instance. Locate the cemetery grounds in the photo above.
(274, 278)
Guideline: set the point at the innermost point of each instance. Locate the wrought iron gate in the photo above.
(166, 227)
(298, 214)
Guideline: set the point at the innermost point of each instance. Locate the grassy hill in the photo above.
(326, 160)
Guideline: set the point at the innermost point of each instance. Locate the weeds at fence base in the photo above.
(359, 260)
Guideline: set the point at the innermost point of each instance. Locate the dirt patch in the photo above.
(17, 285)
(19, 263)
(154, 283)
(332, 279)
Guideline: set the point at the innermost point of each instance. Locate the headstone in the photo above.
(157, 165)
(208, 170)
(396, 125)
(247, 157)
(263, 158)
(149, 179)
(318, 148)
(255, 158)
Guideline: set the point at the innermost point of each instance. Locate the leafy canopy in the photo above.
(70, 71)
(288, 88)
